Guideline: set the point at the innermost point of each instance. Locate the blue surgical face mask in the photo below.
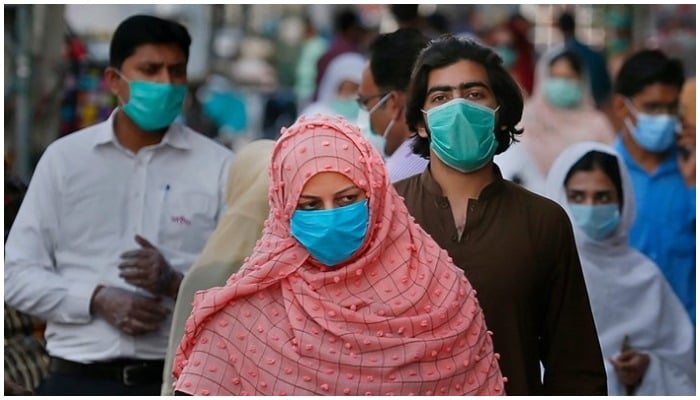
(332, 236)
(462, 134)
(364, 121)
(153, 105)
(348, 108)
(562, 92)
(654, 133)
(597, 221)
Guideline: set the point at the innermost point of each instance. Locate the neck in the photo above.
(131, 136)
(460, 184)
(398, 134)
(647, 160)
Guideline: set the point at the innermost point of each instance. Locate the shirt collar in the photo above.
(176, 135)
(487, 193)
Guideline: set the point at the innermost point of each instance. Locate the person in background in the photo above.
(517, 248)
(312, 48)
(559, 113)
(382, 95)
(343, 295)
(232, 241)
(349, 34)
(662, 166)
(338, 89)
(524, 64)
(113, 217)
(595, 62)
(647, 338)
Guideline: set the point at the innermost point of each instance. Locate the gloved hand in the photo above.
(131, 313)
(148, 269)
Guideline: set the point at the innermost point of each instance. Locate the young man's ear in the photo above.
(113, 80)
(422, 132)
(619, 107)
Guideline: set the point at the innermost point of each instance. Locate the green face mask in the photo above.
(152, 105)
(462, 134)
(562, 92)
(348, 108)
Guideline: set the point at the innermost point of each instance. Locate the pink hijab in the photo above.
(397, 318)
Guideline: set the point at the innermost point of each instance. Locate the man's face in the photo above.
(466, 79)
(655, 99)
(369, 96)
(163, 63)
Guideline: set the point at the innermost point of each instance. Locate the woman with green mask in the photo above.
(560, 112)
(338, 88)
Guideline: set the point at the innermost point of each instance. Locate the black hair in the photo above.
(392, 55)
(598, 160)
(404, 12)
(567, 23)
(447, 50)
(645, 68)
(346, 20)
(138, 30)
(572, 58)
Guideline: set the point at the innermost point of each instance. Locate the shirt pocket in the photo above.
(187, 218)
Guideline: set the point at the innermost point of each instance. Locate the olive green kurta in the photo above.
(518, 252)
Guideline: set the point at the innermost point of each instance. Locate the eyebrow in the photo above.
(312, 196)
(463, 85)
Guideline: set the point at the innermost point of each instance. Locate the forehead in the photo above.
(458, 73)
(658, 92)
(326, 183)
(169, 54)
(590, 180)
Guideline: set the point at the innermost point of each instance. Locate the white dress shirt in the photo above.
(404, 163)
(89, 196)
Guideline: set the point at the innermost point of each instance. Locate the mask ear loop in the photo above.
(125, 79)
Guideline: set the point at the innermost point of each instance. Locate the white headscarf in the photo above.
(628, 293)
(345, 67)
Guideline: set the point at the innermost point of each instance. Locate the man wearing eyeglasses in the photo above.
(382, 94)
(662, 166)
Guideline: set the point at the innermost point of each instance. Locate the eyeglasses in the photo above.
(653, 108)
(363, 100)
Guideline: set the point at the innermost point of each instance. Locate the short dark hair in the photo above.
(346, 19)
(645, 68)
(392, 55)
(447, 50)
(573, 59)
(567, 23)
(138, 30)
(598, 160)
(404, 12)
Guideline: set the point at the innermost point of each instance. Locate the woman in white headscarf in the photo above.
(337, 91)
(560, 112)
(647, 338)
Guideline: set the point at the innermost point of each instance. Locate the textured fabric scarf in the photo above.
(398, 318)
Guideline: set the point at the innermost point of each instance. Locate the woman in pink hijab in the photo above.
(343, 295)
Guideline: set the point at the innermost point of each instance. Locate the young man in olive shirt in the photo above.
(516, 248)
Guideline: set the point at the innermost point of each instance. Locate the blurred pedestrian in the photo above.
(343, 295)
(312, 48)
(647, 338)
(232, 241)
(524, 64)
(517, 248)
(662, 166)
(338, 89)
(595, 62)
(382, 94)
(560, 112)
(113, 217)
(349, 34)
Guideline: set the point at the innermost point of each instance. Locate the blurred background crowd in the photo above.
(253, 67)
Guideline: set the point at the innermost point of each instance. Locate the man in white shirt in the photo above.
(114, 215)
(382, 92)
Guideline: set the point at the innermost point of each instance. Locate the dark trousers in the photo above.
(85, 383)
(58, 384)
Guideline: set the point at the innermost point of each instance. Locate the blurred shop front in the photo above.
(244, 57)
